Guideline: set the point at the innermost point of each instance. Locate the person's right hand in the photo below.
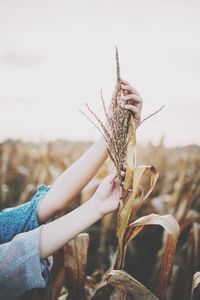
(108, 194)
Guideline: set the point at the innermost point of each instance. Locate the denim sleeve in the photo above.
(21, 268)
(21, 218)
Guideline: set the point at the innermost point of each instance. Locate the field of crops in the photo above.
(82, 274)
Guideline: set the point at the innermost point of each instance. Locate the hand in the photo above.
(108, 194)
(131, 101)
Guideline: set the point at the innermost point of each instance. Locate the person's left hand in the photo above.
(131, 100)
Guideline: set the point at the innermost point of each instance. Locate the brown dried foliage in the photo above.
(148, 253)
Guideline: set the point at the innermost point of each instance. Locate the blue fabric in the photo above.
(21, 218)
(21, 268)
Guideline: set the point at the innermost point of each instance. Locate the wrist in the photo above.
(95, 207)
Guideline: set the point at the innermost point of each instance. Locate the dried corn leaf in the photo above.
(75, 265)
(128, 178)
(180, 183)
(57, 274)
(196, 287)
(196, 241)
(131, 151)
(106, 225)
(129, 285)
(127, 210)
(184, 205)
(153, 179)
(171, 226)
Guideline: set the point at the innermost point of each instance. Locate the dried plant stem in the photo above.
(116, 135)
(106, 133)
(117, 65)
(94, 124)
(105, 111)
(151, 115)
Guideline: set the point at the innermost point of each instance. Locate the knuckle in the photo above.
(136, 110)
(128, 97)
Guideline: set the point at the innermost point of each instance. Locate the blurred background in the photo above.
(57, 55)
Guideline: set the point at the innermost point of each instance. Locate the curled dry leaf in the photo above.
(171, 226)
(129, 285)
(196, 242)
(196, 286)
(129, 209)
(75, 261)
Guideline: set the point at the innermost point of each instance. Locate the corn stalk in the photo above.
(120, 135)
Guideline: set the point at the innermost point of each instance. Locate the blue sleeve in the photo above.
(21, 268)
(21, 218)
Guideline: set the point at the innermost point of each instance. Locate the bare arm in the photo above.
(55, 234)
(72, 181)
(77, 176)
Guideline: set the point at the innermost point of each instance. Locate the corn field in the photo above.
(84, 268)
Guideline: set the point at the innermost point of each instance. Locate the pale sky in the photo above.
(56, 55)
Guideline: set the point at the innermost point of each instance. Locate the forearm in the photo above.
(55, 234)
(77, 176)
(73, 180)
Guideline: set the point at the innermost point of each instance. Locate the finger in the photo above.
(132, 108)
(134, 97)
(124, 81)
(129, 88)
(124, 168)
(117, 182)
(133, 102)
(122, 173)
(122, 176)
(111, 177)
(116, 186)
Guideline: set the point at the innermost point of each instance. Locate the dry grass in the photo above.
(151, 265)
(121, 141)
(26, 165)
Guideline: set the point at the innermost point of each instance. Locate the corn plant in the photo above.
(121, 141)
